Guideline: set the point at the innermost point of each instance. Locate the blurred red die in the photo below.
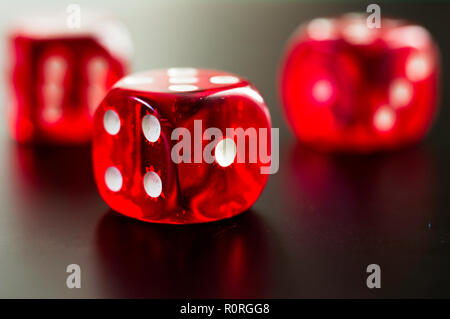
(59, 75)
(347, 87)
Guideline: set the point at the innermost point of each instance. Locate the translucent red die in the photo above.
(347, 87)
(181, 145)
(59, 75)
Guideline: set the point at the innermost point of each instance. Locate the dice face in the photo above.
(347, 87)
(57, 81)
(151, 134)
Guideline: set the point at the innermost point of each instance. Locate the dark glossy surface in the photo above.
(318, 224)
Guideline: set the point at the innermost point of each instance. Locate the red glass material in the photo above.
(58, 76)
(348, 87)
(132, 146)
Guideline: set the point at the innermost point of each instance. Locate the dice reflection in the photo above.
(353, 211)
(52, 171)
(51, 193)
(380, 185)
(227, 259)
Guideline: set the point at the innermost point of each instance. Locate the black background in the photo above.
(320, 221)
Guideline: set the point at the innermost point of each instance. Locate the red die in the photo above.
(348, 87)
(179, 145)
(60, 75)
